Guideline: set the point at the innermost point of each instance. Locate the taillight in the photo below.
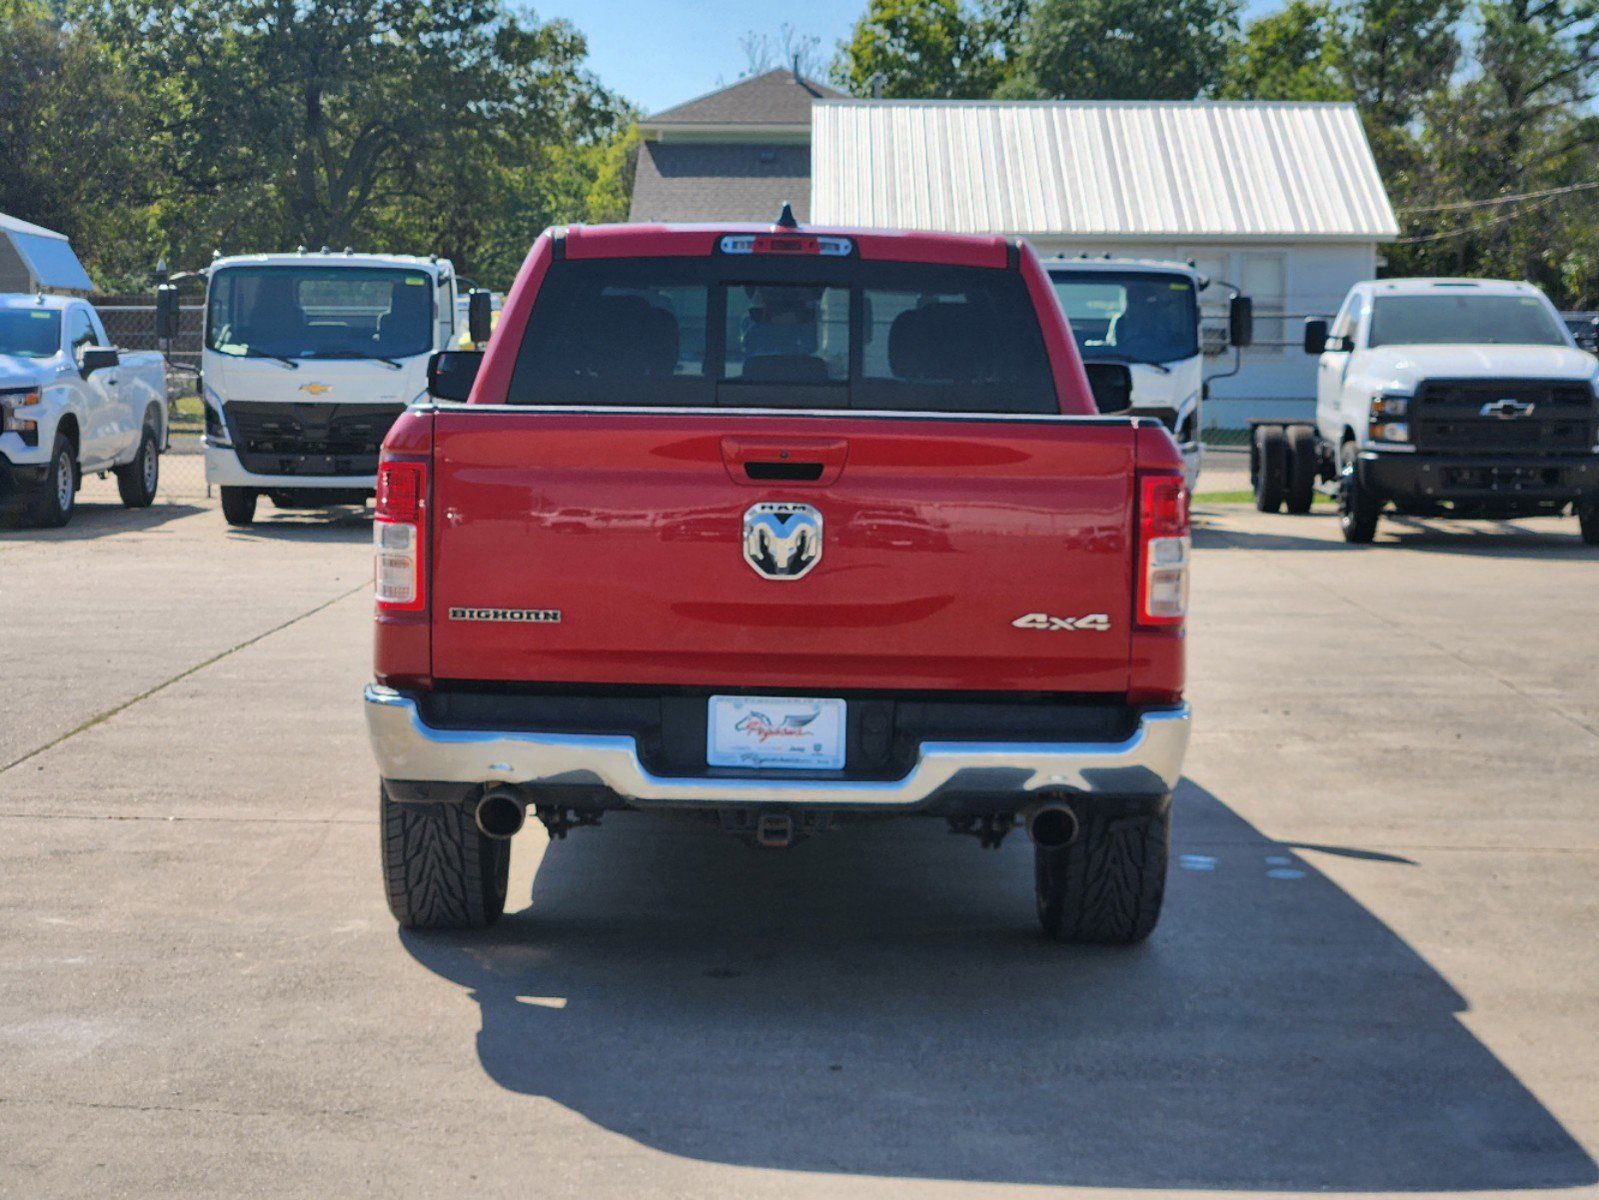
(398, 528)
(1163, 549)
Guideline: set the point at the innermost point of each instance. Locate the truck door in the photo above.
(1331, 370)
(101, 434)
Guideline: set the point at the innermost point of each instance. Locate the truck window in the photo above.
(753, 332)
(319, 312)
(80, 331)
(29, 332)
(1439, 320)
(1130, 317)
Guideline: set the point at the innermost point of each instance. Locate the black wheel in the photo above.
(1269, 467)
(1358, 509)
(238, 505)
(1106, 886)
(1304, 464)
(1588, 517)
(439, 870)
(136, 482)
(53, 506)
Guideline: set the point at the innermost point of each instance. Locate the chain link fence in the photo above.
(130, 324)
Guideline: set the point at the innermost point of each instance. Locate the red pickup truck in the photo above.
(789, 528)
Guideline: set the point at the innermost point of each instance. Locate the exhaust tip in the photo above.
(1052, 825)
(500, 814)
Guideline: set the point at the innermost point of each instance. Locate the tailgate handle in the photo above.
(784, 460)
(787, 472)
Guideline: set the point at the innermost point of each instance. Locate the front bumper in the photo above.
(1512, 479)
(992, 775)
(19, 481)
(223, 469)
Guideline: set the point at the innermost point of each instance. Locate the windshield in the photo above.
(1135, 317)
(29, 332)
(319, 312)
(1455, 320)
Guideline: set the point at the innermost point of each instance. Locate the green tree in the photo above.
(1509, 154)
(1292, 54)
(1124, 49)
(928, 49)
(379, 122)
(70, 132)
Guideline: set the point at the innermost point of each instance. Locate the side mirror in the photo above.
(451, 373)
(1112, 385)
(1315, 335)
(1241, 321)
(97, 358)
(479, 316)
(166, 312)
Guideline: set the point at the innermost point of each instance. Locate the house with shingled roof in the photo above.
(736, 154)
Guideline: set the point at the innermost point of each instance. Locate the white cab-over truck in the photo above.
(308, 360)
(1458, 397)
(1140, 319)
(72, 404)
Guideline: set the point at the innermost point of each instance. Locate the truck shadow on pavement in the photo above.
(91, 521)
(879, 1002)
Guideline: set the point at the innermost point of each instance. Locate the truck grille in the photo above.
(309, 439)
(1526, 416)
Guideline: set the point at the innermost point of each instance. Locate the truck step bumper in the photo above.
(1146, 763)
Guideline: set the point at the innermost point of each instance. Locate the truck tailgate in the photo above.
(938, 536)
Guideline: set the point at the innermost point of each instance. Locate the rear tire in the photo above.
(1358, 509)
(1588, 519)
(1304, 464)
(439, 871)
(57, 500)
(1106, 887)
(137, 482)
(1270, 467)
(238, 506)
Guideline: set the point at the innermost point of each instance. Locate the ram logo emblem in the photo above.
(782, 541)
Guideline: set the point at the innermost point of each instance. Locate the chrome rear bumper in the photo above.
(1148, 763)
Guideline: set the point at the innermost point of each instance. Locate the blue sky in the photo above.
(658, 54)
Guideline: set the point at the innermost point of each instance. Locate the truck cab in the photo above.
(71, 404)
(308, 359)
(1143, 316)
(1459, 396)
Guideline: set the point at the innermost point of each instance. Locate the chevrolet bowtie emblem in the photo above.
(315, 389)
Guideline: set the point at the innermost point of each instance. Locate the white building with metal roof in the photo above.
(1281, 199)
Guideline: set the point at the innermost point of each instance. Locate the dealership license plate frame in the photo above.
(776, 733)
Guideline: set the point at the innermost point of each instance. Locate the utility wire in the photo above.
(1476, 227)
(1461, 205)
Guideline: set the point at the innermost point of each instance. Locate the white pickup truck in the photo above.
(70, 404)
(1459, 397)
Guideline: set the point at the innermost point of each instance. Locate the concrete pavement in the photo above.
(1376, 971)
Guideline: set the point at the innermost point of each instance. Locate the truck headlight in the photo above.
(15, 417)
(1389, 413)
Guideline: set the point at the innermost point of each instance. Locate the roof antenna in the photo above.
(785, 219)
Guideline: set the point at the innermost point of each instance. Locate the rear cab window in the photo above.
(745, 331)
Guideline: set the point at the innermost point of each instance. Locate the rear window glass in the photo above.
(752, 332)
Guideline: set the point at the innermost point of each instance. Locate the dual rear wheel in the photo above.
(1283, 466)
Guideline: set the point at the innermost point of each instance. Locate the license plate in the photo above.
(773, 731)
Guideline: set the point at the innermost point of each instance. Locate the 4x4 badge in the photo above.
(1092, 623)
